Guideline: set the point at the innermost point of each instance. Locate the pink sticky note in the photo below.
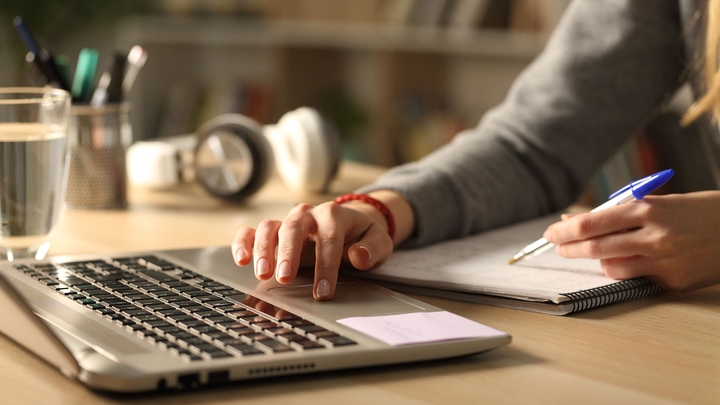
(419, 327)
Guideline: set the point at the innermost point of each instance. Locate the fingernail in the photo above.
(323, 289)
(367, 251)
(284, 270)
(262, 267)
(239, 254)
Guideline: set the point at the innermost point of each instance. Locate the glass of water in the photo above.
(33, 168)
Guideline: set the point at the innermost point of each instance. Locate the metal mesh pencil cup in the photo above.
(98, 138)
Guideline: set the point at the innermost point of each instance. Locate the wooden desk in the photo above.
(660, 350)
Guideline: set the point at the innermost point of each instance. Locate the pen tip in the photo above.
(518, 256)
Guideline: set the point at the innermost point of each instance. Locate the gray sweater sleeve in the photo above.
(603, 75)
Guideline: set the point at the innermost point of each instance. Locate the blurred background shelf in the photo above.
(228, 31)
(376, 82)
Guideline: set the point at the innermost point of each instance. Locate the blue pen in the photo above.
(636, 190)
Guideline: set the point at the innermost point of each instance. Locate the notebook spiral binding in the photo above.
(622, 291)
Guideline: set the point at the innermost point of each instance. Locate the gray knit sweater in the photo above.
(604, 75)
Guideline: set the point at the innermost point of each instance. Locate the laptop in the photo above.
(135, 322)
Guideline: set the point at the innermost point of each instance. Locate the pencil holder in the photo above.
(98, 138)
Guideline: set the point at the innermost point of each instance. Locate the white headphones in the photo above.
(233, 156)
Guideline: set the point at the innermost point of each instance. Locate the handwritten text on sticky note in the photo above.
(420, 327)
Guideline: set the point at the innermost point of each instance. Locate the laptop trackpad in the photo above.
(351, 299)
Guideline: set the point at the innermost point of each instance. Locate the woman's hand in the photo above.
(671, 239)
(322, 236)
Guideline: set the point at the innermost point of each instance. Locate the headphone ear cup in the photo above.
(306, 152)
(233, 159)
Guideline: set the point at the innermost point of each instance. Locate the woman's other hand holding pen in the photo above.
(672, 239)
(323, 236)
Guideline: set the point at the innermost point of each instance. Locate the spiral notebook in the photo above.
(476, 269)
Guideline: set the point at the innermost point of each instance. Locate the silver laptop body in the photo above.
(106, 343)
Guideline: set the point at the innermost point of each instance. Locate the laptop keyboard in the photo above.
(180, 311)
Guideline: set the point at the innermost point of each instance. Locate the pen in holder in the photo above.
(98, 138)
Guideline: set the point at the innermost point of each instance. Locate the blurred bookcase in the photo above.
(398, 78)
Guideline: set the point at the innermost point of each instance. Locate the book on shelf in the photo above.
(476, 269)
(429, 12)
(496, 15)
(396, 11)
(467, 14)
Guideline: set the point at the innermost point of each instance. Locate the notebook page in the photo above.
(480, 264)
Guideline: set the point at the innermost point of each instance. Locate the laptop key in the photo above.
(215, 354)
(307, 344)
(290, 337)
(158, 322)
(244, 348)
(216, 334)
(73, 281)
(165, 294)
(298, 322)
(220, 319)
(138, 296)
(157, 275)
(145, 333)
(338, 341)
(206, 313)
(205, 346)
(181, 335)
(273, 346)
(322, 334)
(169, 329)
(266, 325)
(204, 298)
(311, 328)
(175, 297)
(135, 327)
(159, 307)
(147, 318)
(149, 302)
(182, 318)
(194, 341)
(48, 281)
(242, 314)
(190, 357)
(223, 340)
(136, 312)
(196, 324)
(240, 330)
(202, 328)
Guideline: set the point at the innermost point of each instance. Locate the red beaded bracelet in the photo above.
(375, 203)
